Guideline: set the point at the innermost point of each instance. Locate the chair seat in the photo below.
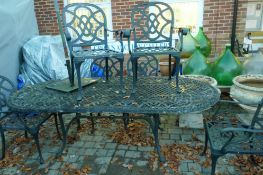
(15, 122)
(156, 50)
(96, 53)
(240, 143)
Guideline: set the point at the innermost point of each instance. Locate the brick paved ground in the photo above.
(103, 156)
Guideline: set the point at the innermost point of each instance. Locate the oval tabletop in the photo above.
(154, 95)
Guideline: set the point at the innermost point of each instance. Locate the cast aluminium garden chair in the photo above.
(152, 30)
(85, 28)
(228, 135)
(30, 122)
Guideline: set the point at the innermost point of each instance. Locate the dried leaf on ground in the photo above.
(175, 153)
(247, 164)
(134, 135)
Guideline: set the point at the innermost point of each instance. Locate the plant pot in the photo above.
(164, 68)
(204, 78)
(247, 89)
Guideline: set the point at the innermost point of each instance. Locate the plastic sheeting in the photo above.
(18, 25)
(44, 60)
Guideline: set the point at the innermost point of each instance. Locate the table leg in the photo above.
(64, 134)
(155, 125)
(78, 120)
(125, 120)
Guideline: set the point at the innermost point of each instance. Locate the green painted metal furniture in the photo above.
(229, 136)
(86, 33)
(152, 30)
(154, 96)
(11, 120)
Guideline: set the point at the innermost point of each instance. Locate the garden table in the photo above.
(154, 96)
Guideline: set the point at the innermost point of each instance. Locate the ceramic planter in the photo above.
(164, 68)
(253, 65)
(204, 78)
(247, 89)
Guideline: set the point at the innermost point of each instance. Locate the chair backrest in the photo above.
(85, 25)
(6, 88)
(258, 116)
(152, 22)
(147, 66)
(98, 67)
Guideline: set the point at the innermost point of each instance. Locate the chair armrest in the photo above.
(234, 132)
(127, 34)
(181, 33)
(67, 35)
(118, 35)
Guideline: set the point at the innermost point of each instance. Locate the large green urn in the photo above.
(204, 42)
(189, 44)
(197, 64)
(226, 67)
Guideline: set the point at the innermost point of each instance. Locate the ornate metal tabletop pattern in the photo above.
(154, 95)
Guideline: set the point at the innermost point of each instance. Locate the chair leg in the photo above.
(26, 135)
(72, 73)
(57, 129)
(214, 160)
(136, 69)
(36, 138)
(107, 68)
(77, 65)
(170, 74)
(2, 155)
(125, 120)
(133, 75)
(206, 142)
(177, 73)
(121, 76)
(92, 124)
(78, 121)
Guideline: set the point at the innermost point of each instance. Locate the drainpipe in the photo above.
(233, 35)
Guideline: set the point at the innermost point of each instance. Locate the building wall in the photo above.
(218, 15)
(46, 16)
(121, 12)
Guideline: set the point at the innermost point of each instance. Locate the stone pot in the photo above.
(164, 68)
(253, 65)
(204, 78)
(247, 89)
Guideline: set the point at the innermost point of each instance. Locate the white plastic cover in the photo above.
(44, 60)
(17, 25)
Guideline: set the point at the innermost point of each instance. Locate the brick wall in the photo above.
(121, 13)
(46, 16)
(218, 16)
